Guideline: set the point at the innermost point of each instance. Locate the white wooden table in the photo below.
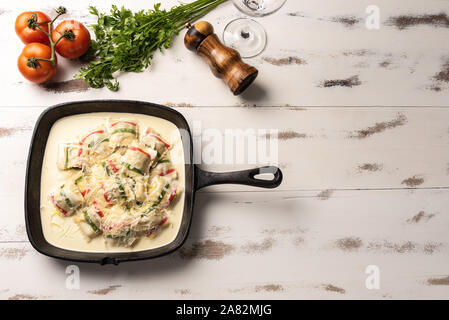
(364, 147)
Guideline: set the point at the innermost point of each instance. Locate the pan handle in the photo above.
(246, 177)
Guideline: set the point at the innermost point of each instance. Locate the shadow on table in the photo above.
(158, 267)
(254, 94)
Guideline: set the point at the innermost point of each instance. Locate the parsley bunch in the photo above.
(125, 41)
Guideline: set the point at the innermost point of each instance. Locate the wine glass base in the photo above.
(246, 36)
(258, 8)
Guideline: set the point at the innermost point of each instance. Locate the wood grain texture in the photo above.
(340, 231)
(300, 245)
(404, 63)
(319, 148)
(363, 185)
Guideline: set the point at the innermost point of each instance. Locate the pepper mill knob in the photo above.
(225, 63)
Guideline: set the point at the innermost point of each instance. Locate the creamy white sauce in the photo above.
(63, 232)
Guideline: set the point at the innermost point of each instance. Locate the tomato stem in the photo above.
(39, 27)
(59, 11)
(33, 62)
(68, 34)
(59, 39)
(32, 23)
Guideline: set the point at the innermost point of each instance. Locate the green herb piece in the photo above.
(90, 222)
(132, 168)
(78, 180)
(97, 142)
(66, 164)
(120, 186)
(106, 168)
(66, 199)
(118, 236)
(125, 130)
(158, 201)
(125, 40)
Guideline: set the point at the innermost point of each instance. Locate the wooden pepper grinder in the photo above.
(224, 62)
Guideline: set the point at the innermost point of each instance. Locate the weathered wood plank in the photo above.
(313, 237)
(302, 246)
(330, 59)
(319, 148)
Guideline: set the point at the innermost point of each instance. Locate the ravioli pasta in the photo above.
(121, 183)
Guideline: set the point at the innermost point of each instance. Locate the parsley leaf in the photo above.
(125, 40)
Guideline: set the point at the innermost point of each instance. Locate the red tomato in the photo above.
(77, 41)
(42, 70)
(29, 35)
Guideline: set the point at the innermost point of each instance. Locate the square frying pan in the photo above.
(195, 178)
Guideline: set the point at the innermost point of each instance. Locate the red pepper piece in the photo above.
(140, 150)
(57, 206)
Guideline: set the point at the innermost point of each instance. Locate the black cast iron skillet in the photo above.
(195, 178)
